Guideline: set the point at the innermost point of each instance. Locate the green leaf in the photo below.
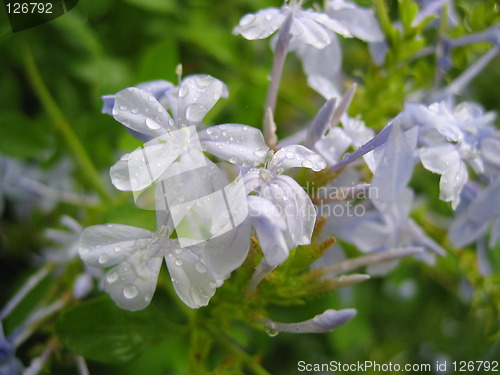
(160, 61)
(101, 331)
(21, 137)
(407, 12)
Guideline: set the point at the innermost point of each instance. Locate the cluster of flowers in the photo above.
(213, 207)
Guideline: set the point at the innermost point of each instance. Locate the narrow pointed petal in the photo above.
(296, 156)
(322, 323)
(141, 112)
(238, 144)
(320, 123)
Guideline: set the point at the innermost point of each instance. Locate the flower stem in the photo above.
(61, 124)
(278, 63)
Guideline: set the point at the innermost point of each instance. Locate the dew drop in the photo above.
(272, 332)
(152, 124)
(103, 258)
(245, 128)
(183, 91)
(115, 111)
(195, 112)
(290, 155)
(210, 131)
(178, 251)
(134, 110)
(123, 107)
(178, 262)
(151, 98)
(212, 284)
(307, 164)
(118, 249)
(224, 134)
(112, 277)
(130, 292)
(148, 297)
(110, 225)
(200, 267)
(233, 159)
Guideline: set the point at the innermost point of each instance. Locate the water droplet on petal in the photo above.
(123, 107)
(290, 155)
(118, 249)
(200, 267)
(152, 124)
(245, 128)
(272, 332)
(115, 111)
(130, 291)
(112, 277)
(233, 159)
(134, 110)
(148, 297)
(178, 262)
(212, 284)
(103, 258)
(151, 98)
(110, 225)
(126, 157)
(195, 112)
(178, 251)
(307, 164)
(210, 131)
(183, 91)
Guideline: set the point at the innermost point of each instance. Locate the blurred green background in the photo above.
(416, 314)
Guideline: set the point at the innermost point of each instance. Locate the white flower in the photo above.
(308, 27)
(136, 255)
(173, 138)
(290, 199)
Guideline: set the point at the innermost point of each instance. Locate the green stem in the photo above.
(62, 125)
(249, 360)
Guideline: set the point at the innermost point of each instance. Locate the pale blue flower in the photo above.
(308, 27)
(178, 137)
(292, 202)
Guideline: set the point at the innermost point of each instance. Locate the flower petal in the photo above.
(296, 156)
(109, 244)
(238, 144)
(141, 112)
(333, 145)
(261, 24)
(197, 95)
(140, 168)
(359, 22)
(132, 283)
(324, 322)
(268, 224)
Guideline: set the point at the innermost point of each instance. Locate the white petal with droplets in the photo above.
(296, 156)
(141, 112)
(261, 24)
(238, 144)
